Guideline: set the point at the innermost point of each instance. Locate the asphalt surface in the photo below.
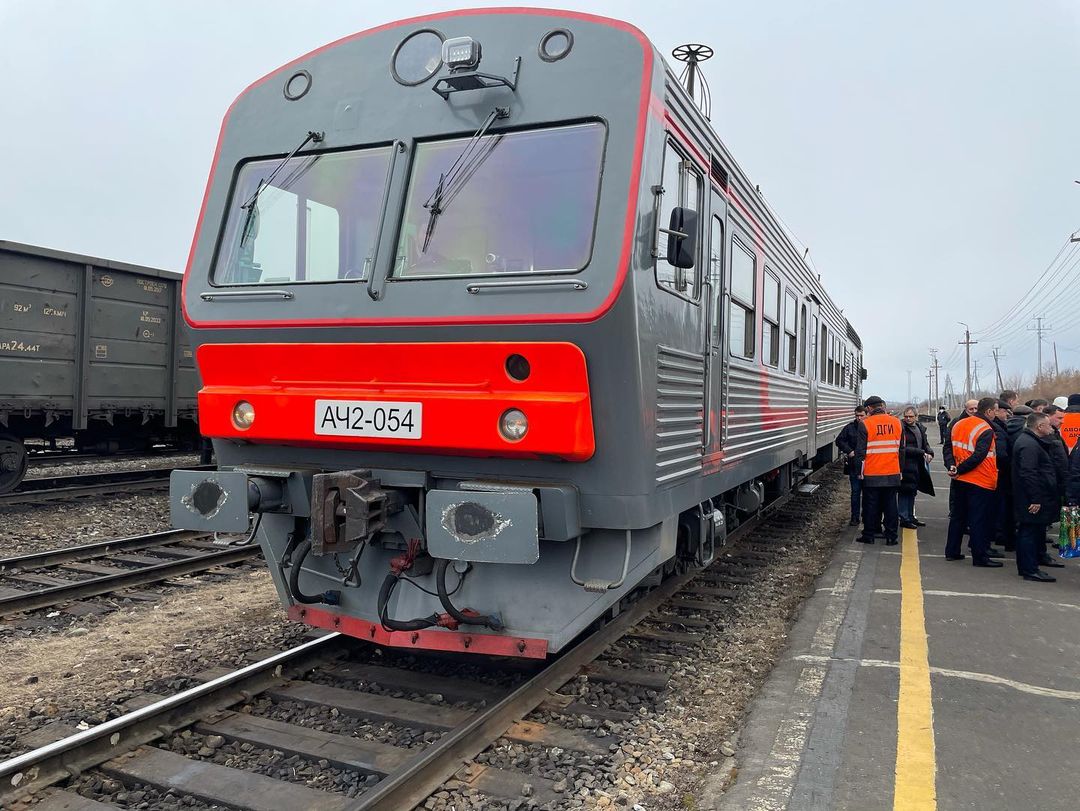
(1001, 660)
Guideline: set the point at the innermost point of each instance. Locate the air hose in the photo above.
(470, 618)
(418, 624)
(298, 558)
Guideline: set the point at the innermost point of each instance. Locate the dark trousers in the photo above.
(1006, 523)
(856, 496)
(905, 505)
(879, 512)
(1029, 547)
(973, 507)
(942, 431)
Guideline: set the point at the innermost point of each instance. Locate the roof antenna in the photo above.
(692, 78)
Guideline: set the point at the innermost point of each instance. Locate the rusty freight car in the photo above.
(90, 349)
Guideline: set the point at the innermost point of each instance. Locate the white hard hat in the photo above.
(1061, 402)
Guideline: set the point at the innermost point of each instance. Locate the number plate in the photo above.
(394, 420)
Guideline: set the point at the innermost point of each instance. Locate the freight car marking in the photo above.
(149, 286)
(15, 345)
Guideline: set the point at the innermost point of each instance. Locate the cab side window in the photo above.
(682, 185)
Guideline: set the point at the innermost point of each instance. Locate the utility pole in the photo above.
(937, 376)
(975, 378)
(1039, 329)
(997, 369)
(949, 394)
(967, 343)
(1056, 370)
(929, 388)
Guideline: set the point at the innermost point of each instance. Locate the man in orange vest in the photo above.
(1070, 423)
(971, 460)
(877, 455)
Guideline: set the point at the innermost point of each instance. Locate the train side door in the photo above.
(810, 349)
(681, 359)
(713, 295)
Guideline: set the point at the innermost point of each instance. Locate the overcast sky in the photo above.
(924, 151)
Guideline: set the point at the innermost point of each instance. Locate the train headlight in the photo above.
(461, 53)
(243, 415)
(513, 425)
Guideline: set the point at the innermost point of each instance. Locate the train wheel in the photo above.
(13, 462)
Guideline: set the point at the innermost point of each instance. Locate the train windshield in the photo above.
(510, 203)
(316, 220)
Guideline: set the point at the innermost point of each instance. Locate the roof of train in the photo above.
(83, 259)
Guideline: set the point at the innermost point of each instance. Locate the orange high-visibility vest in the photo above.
(1070, 428)
(965, 434)
(883, 434)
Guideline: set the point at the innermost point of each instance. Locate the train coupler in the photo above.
(347, 508)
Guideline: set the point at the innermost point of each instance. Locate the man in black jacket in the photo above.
(942, 422)
(1005, 528)
(1035, 494)
(846, 443)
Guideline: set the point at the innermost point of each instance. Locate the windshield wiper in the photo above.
(453, 180)
(249, 206)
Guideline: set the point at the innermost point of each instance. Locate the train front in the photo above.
(411, 241)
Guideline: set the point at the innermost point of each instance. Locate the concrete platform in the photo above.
(973, 675)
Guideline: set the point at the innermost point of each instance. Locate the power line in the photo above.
(1039, 282)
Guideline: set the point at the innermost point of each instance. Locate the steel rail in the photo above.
(420, 777)
(43, 598)
(69, 554)
(55, 761)
(407, 787)
(50, 488)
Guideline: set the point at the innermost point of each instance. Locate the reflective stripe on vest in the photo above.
(882, 446)
(1070, 428)
(965, 435)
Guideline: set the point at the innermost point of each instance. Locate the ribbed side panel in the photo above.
(835, 407)
(680, 409)
(765, 410)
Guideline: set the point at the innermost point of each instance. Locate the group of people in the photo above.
(1011, 467)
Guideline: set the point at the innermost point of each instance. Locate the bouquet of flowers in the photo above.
(1069, 534)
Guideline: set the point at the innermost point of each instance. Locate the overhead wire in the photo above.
(1039, 283)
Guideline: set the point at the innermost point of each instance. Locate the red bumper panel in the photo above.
(464, 389)
(488, 644)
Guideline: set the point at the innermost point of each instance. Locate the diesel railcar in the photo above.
(92, 350)
(493, 331)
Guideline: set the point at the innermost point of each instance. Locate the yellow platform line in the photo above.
(916, 763)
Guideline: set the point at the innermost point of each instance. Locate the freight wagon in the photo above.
(90, 349)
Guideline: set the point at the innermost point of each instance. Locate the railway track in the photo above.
(458, 718)
(46, 579)
(52, 488)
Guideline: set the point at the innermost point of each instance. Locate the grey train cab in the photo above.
(493, 331)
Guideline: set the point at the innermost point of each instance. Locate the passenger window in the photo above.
(770, 325)
(790, 314)
(741, 326)
(802, 342)
(824, 353)
(716, 277)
